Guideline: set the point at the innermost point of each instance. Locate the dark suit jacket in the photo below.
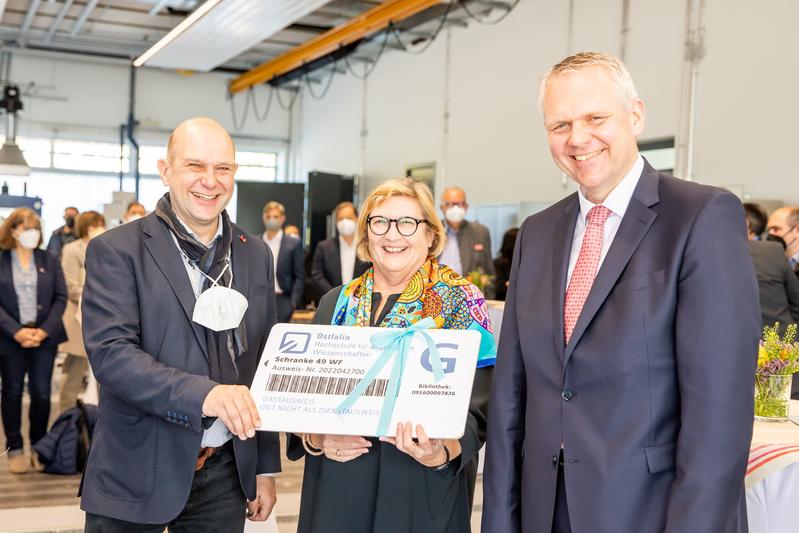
(290, 269)
(474, 245)
(51, 297)
(652, 397)
(779, 288)
(326, 268)
(151, 362)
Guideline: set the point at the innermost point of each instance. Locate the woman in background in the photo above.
(32, 301)
(89, 225)
(502, 263)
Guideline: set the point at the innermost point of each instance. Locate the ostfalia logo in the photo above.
(295, 342)
(448, 363)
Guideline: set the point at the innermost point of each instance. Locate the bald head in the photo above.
(199, 170)
(194, 128)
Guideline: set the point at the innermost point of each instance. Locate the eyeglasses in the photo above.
(406, 226)
(447, 205)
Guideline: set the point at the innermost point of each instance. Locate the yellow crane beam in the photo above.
(374, 20)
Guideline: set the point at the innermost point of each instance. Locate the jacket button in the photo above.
(39, 306)
(553, 459)
(567, 395)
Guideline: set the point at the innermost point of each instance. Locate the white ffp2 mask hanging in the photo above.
(219, 308)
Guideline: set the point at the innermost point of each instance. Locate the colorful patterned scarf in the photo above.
(435, 291)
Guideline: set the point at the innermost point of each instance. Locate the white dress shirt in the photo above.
(617, 201)
(347, 257)
(274, 245)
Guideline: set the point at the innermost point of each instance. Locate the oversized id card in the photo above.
(306, 372)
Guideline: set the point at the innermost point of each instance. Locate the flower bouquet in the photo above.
(777, 360)
(480, 279)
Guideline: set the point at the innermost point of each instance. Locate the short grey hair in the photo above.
(585, 60)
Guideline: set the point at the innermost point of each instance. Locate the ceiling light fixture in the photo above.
(11, 159)
(187, 23)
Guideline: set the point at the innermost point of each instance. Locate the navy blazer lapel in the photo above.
(164, 252)
(335, 262)
(241, 267)
(636, 223)
(562, 245)
(9, 275)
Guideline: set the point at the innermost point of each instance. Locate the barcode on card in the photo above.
(322, 385)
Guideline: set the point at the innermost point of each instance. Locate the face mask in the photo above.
(455, 214)
(272, 224)
(346, 227)
(95, 231)
(219, 308)
(29, 239)
(70, 222)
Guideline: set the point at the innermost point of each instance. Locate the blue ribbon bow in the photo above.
(394, 342)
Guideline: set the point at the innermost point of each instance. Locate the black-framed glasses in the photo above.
(406, 226)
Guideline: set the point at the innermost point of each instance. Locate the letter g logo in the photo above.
(448, 363)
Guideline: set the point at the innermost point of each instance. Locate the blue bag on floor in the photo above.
(66, 446)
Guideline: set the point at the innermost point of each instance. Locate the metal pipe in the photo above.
(58, 20)
(134, 153)
(84, 16)
(26, 23)
(625, 27)
(121, 153)
(694, 52)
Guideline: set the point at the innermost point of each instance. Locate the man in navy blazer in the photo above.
(175, 442)
(631, 412)
(289, 261)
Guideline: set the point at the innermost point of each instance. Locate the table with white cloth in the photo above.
(772, 476)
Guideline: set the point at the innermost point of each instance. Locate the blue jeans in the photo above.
(37, 363)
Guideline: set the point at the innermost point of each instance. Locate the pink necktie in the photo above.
(585, 269)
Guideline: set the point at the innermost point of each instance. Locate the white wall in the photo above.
(495, 146)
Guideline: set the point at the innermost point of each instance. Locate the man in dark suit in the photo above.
(622, 397)
(784, 223)
(335, 253)
(468, 247)
(175, 443)
(288, 257)
(778, 288)
(65, 234)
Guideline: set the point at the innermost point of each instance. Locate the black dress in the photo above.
(385, 490)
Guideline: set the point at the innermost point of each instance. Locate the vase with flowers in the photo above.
(777, 361)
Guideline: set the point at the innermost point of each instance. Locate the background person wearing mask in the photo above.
(468, 244)
(32, 301)
(90, 224)
(135, 211)
(65, 234)
(784, 223)
(335, 261)
(292, 231)
(288, 258)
